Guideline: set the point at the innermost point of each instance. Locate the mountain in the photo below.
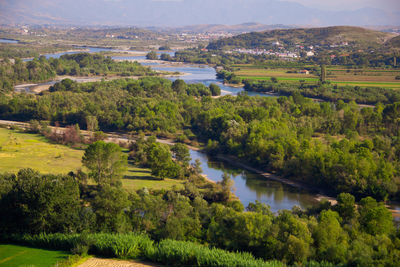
(182, 12)
(219, 28)
(306, 36)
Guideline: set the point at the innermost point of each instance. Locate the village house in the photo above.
(306, 72)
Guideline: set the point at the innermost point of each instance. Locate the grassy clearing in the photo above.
(11, 255)
(23, 150)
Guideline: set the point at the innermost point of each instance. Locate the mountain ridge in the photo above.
(179, 13)
(306, 36)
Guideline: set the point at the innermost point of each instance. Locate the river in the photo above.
(249, 186)
(8, 41)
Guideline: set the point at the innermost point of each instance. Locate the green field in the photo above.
(18, 256)
(335, 74)
(23, 150)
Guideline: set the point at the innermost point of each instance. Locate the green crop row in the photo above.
(140, 246)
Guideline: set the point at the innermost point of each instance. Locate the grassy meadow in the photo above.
(11, 255)
(24, 150)
(335, 74)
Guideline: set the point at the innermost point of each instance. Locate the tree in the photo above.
(345, 206)
(166, 57)
(92, 124)
(72, 135)
(179, 86)
(330, 238)
(109, 207)
(160, 161)
(105, 161)
(152, 55)
(227, 186)
(181, 153)
(323, 73)
(215, 89)
(35, 203)
(197, 166)
(375, 218)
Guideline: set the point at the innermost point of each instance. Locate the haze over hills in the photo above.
(324, 36)
(219, 28)
(184, 12)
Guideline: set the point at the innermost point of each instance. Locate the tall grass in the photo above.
(180, 253)
(123, 246)
(140, 246)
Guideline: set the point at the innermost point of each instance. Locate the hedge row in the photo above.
(140, 246)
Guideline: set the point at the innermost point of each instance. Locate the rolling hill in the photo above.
(394, 42)
(220, 28)
(355, 36)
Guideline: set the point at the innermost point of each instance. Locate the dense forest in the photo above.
(293, 136)
(81, 64)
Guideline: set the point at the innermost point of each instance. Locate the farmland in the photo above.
(11, 255)
(339, 75)
(23, 150)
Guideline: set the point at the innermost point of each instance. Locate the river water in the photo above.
(248, 186)
(8, 41)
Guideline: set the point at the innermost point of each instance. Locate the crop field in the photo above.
(23, 150)
(11, 255)
(336, 75)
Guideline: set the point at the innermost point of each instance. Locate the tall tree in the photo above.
(323, 74)
(105, 161)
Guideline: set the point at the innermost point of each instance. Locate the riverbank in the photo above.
(236, 162)
(37, 88)
(122, 138)
(319, 196)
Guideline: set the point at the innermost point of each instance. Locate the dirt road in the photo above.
(97, 262)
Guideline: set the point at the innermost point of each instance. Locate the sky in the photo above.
(191, 12)
(387, 5)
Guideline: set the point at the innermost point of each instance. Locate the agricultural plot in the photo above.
(336, 75)
(11, 255)
(23, 150)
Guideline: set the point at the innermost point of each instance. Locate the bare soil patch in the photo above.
(97, 262)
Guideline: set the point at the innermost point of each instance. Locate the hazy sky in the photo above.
(350, 4)
(190, 12)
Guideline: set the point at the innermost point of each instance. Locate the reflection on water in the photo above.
(250, 187)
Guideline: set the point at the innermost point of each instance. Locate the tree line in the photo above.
(81, 64)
